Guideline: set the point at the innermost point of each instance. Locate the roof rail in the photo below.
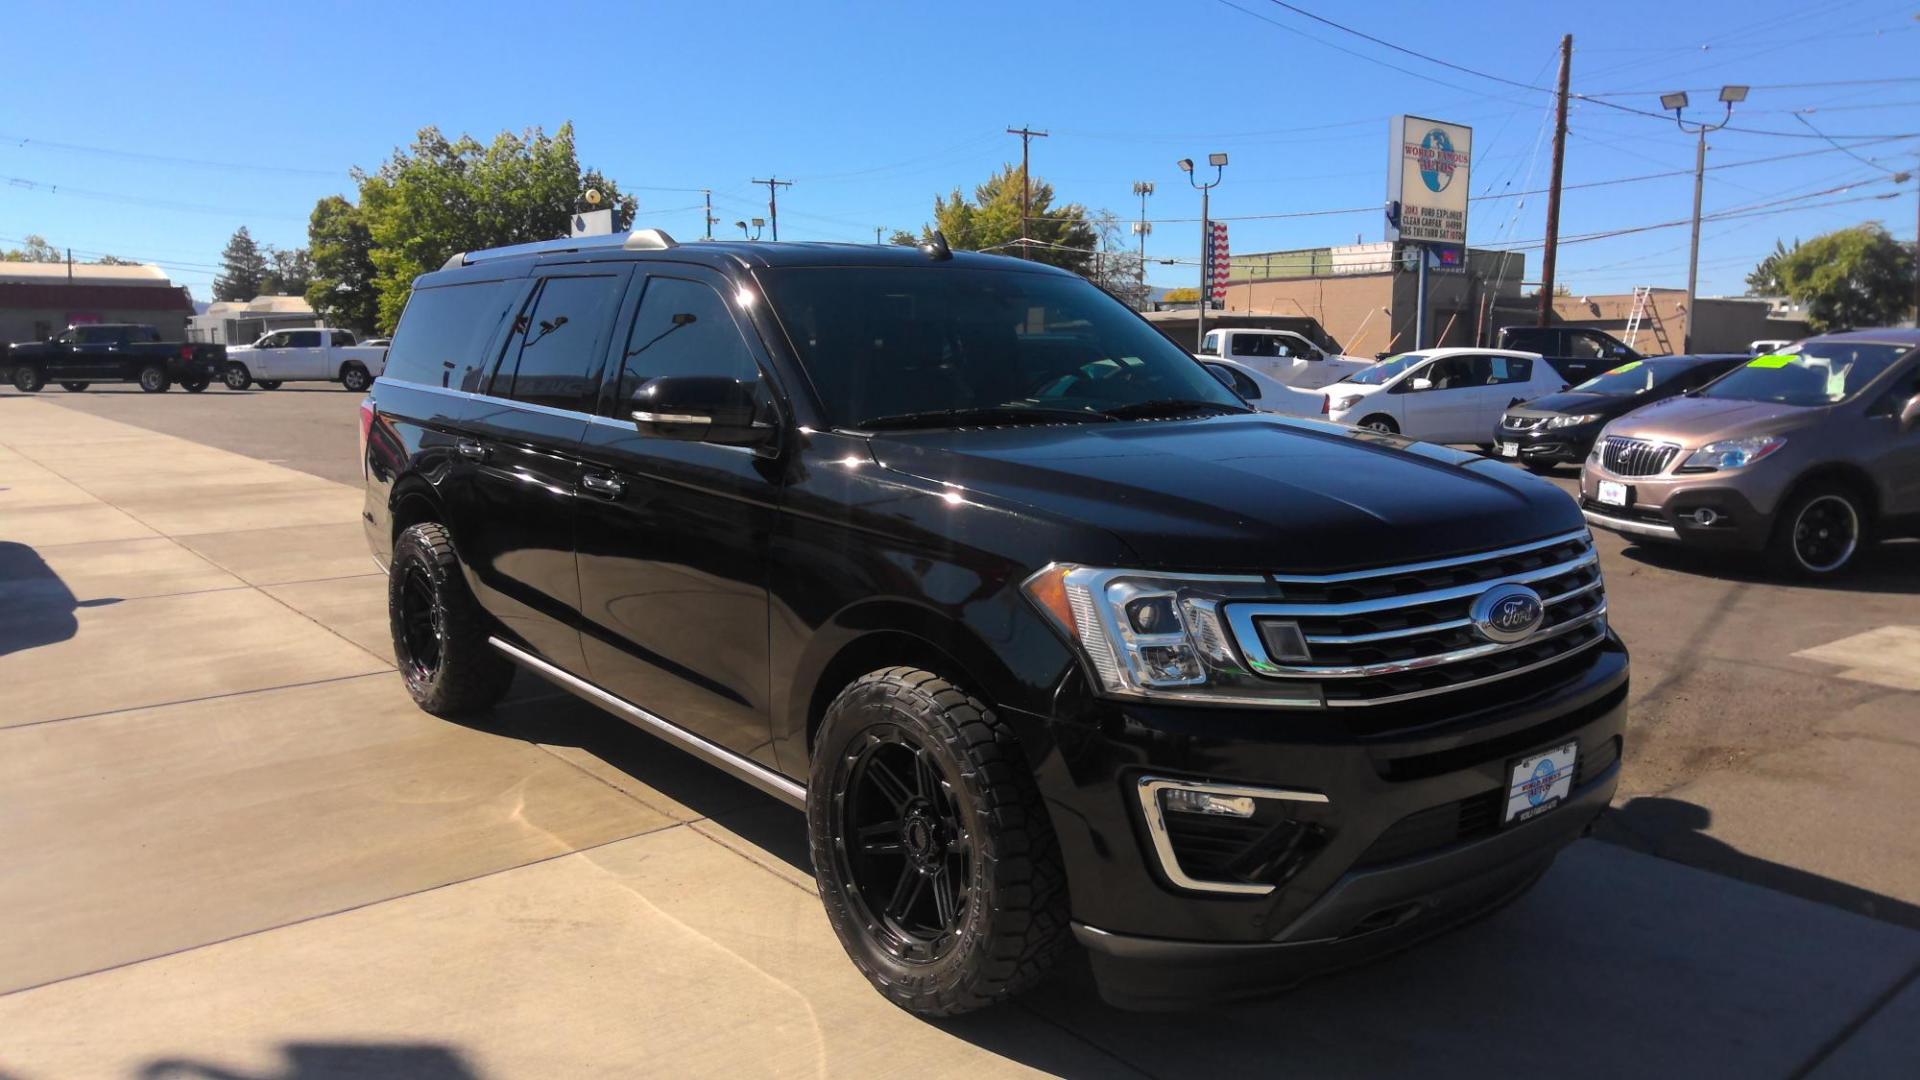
(637, 240)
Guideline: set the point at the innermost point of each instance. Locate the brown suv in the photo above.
(1806, 454)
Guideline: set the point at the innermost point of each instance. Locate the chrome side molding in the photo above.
(773, 783)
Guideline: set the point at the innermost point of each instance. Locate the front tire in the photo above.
(439, 630)
(236, 377)
(1819, 533)
(931, 846)
(28, 378)
(153, 379)
(355, 378)
(1382, 423)
(74, 387)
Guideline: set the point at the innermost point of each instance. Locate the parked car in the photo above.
(304, 355)
(1577, 352)
(1807, 456)
(80, 356)
(376, 342)
(1442, 395)
(1561, 428)
(1052, 637)
(1285, 356)
(1264, 392)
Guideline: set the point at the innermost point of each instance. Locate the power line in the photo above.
(1763, 86)
(1842, 149)
(25, 142)
(25, 184)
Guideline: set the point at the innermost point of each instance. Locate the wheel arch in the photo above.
(1836, 474)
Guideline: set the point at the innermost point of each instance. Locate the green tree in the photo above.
(1186, 294)
(36, 251)
(289, 271)
(903, 238)
(341, 285)
(1764, 280)
(1060, 236)
(243, 267)
(1849, 278)
(439, 197)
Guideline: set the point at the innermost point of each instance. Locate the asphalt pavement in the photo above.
(232, 847)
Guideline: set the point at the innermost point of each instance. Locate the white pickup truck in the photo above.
(308, 354)
(1282, 354)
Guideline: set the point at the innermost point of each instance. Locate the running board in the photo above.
(712, 753)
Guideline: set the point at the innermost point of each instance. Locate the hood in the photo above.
(1246, 492)
(1570, 403)
(1696, 421)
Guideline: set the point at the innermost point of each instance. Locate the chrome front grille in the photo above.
(1375, 637)
(1637, 457)
(1523, 423)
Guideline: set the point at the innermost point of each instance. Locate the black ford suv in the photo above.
(1053, 638)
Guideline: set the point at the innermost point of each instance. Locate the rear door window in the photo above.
(443, 335)
(560, 344)
(341, 338)
(304, 339)
(1509, 369)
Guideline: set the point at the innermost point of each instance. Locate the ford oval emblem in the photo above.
(1507, 613)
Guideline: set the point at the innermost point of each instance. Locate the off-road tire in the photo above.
(236, 376)
(1014, 925)
(468, 675)
(153, 379)
(28, 378)
(1785, 560)
(355, 378)
(267, 384)
(74, 387)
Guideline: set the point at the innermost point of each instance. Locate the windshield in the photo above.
(908, 344)
(1210, 345)
(1385, 369)
(1627, 380)
(1813, 373)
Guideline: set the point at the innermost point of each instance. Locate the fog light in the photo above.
(1187, 800)
(1705, 516)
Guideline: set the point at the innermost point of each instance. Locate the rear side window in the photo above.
(1510, 369)
(682, 328)
(444, 331)
(560, 344)
(342, 337)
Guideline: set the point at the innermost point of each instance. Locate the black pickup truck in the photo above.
(114, 352)
(1577, 352)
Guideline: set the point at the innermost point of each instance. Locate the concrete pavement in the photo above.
(229, 846)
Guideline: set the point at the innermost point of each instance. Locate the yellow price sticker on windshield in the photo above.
(1772, 360)
(1624, 368)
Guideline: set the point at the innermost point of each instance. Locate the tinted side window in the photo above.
(95, 335)
(561, 342)
(682, 328)
(342, 337)
(1510, 369)
(304, 339)
(1264, 345)
(1450, 373)
(443, 331)
(1585, 347)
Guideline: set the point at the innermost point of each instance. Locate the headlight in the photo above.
(1346, 401)
(1733, 453)
(1154, 635)
(1573, 421)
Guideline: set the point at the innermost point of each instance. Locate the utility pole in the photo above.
(773, 201)
(876, 233)
(1677, 101)
(1916, 270)
(1027, 135)
(711, 220)
(69, 266)
(1553, 188)
(1143, 188)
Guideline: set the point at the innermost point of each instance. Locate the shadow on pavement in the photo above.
(324, 1061)
(1677, 830)
(36, 607)
(1889, 567)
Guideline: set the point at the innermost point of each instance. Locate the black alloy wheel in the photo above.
(236, 377)
(422, 624)
(28, 379)
(439, 631)
(153, 379)
(904, 846)
(1825, 533)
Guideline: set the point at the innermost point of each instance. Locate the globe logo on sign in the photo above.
(1541, 782)
(1436, 160)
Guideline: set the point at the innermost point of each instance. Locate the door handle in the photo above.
(472, 449)
(607, 486)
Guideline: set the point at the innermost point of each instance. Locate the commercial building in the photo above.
(241, 322)
(38, 300)
(1723, 324)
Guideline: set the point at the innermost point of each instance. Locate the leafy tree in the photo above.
(1850, 277)
(903, 238)
(36, 251)
(1184, 295)
(441, 196)
(243, 267)
(288, 271)
(340, 285)
(1764, 280)
(1060, 236)
(115, 260)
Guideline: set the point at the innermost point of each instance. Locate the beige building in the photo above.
(241, 322)
(38, 300)
(1726, 324)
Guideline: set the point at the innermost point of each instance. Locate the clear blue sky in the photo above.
(872, 108)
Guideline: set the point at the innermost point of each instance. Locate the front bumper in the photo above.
(1549, 446)
(1668, 508)
(1405, 844)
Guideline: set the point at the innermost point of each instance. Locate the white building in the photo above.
(241, 322)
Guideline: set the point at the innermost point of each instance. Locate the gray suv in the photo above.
(1807, 454)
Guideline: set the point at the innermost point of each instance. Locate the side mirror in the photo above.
(700, 408)
(1621, 350)
(1910, 414)
(1423, 383)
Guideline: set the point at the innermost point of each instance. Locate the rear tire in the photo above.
(932, 849)
(439, 630)
(74, 387)
(28, 378)
(195, 385)
(267, 384)
(1818, 533)
(355, 378)
(236, 377)
(153, 379)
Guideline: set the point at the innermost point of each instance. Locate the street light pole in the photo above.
(1677, 101)
(1219, 162)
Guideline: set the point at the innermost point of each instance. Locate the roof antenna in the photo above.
(936, 248)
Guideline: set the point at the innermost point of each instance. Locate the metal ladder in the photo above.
(1642, 309)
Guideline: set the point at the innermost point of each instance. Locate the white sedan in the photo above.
(1442, 395)
(1263, 391)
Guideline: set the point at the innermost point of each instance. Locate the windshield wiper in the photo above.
(996, 414)
(1167, 407)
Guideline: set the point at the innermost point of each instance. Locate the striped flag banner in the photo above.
(1219, 261)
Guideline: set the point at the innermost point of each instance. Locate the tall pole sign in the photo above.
(1429, 170)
